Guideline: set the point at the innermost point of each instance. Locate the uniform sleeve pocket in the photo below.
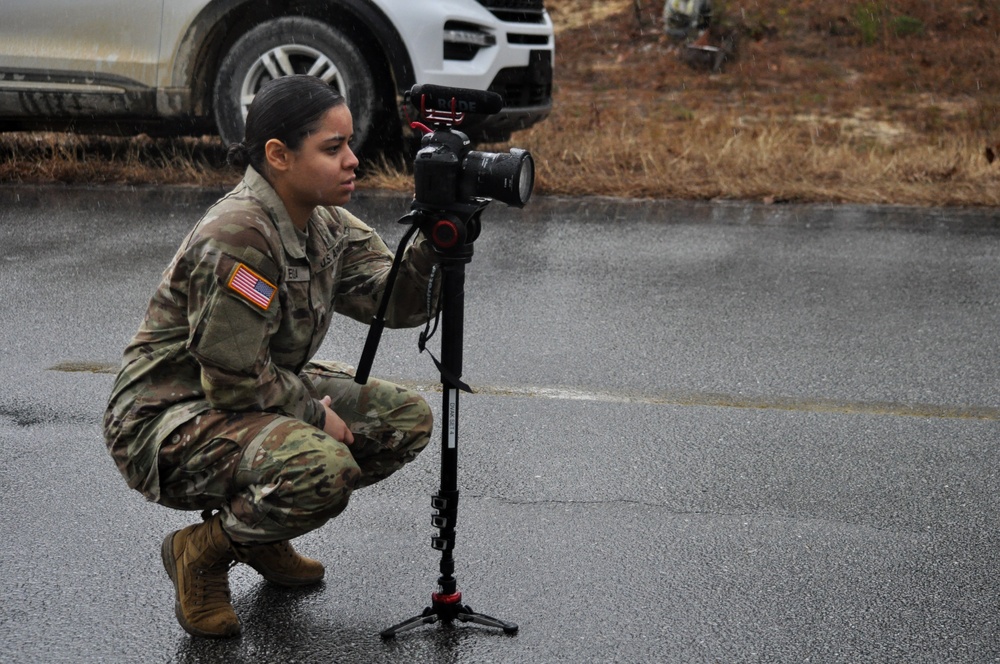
(231, 334)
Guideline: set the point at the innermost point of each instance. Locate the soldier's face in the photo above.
(321, 171)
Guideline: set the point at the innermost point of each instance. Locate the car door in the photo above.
(78, 57)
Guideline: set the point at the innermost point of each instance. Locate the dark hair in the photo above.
(288, 109)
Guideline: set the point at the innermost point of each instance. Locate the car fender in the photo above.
(189, 66)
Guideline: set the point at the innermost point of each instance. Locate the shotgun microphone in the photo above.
(439, 98)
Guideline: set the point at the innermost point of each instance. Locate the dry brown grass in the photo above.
(770, 158)
(823, 102)
(70, 158)
(868, 101)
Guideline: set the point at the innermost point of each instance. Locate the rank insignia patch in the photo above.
(252, 286)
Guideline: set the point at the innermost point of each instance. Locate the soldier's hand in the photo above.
(334, 426)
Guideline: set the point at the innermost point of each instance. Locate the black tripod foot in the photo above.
(448, 608)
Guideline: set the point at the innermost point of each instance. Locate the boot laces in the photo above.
(211, 584)
(272, 553)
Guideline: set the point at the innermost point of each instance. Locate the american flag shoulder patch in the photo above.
(252, 286)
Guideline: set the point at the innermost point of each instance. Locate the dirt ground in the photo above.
(889, 69)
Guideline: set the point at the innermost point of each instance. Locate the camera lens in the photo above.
(506, 177)
(526, 178)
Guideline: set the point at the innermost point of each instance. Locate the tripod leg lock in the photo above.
(445, 501)
(443, 542)
(446, 505)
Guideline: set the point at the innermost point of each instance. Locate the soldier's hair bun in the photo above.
(238, 155)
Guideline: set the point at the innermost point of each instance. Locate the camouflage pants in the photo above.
(275, 477)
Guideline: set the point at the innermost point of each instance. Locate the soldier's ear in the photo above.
(278, 155)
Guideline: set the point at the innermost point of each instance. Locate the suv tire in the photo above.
(293, 45)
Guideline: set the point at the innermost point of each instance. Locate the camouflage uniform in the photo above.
(217, 403)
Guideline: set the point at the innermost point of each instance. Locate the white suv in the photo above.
(192, 66)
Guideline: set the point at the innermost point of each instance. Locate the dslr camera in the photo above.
(453, 183)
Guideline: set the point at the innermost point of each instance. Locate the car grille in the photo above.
(526, 86)
(516, 11)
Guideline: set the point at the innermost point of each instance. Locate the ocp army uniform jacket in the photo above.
(242, 307)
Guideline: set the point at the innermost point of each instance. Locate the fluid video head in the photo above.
(446, 170)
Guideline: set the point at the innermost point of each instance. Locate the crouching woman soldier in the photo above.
(218, 405)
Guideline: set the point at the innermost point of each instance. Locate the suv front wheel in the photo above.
(293, 45)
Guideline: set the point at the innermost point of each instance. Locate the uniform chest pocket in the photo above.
(296, 299)
(325, 277)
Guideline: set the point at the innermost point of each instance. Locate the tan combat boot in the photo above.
(197, 559)
(279, 563)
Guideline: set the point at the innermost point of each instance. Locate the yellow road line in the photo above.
(683, 398)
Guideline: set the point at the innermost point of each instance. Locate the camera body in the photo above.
(446, 170)
(453, 183)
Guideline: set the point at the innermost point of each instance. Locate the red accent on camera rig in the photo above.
(450, 118)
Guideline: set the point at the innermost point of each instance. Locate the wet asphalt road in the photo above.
(702, 433)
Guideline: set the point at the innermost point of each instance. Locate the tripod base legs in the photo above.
(448, 608)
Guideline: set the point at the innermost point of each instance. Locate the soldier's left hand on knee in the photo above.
(334, 426)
